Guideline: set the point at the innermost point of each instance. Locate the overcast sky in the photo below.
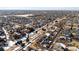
(39, 4)
(39, 8)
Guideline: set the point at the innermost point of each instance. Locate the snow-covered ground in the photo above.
(10, 44)
(26, 15)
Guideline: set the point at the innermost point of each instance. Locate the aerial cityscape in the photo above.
(39, 30)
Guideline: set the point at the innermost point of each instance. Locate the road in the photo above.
(41, 35)
(34, 37)
(56, 37)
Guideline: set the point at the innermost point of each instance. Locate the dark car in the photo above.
(18, 42)
(2, 33)
(1, 49)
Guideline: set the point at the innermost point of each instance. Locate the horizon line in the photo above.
(39, 8)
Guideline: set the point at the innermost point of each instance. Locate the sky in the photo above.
(39, 4)
(39, 8)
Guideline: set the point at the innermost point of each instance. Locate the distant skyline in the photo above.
(39, 8)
